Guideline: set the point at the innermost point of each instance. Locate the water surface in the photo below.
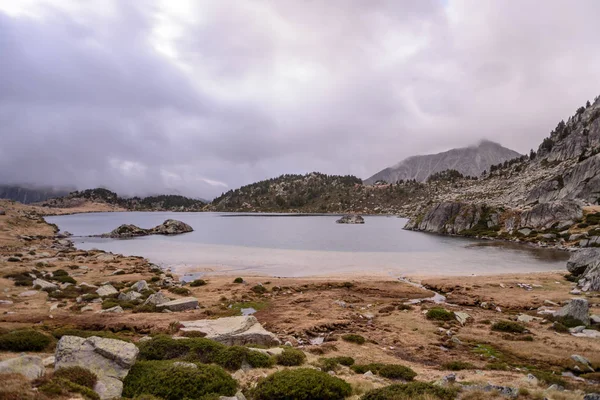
(305, 245)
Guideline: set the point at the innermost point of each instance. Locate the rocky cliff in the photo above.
(550, 196)
(469, 161)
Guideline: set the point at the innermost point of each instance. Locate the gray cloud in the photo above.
(153, 97)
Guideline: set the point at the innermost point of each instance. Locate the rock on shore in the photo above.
(351, 219)
(233, 330)
(169, 227)
(585, 264)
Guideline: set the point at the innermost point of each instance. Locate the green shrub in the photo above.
(64, 279)
(164, 348)
(24, 340)
(412, 391)
(181, 291)
(405, 306)
(78, 375)
(301, 384)
(395, 371)
(259, 289)
(568, 322)
(497, 366)
(146, 308)
(457, 365)
(353, 338)
(508, 326)
(550, 378)
(232, 358)
(169, 382)
(439, 314)
(238, 280)
(291, 357)
(346, 361)
(362, 368)
(60, 272)
(155, 279)
(328, 364)
(259, 360)
(198, 282)
(62, 387)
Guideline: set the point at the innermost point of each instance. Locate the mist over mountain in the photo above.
(469, 161)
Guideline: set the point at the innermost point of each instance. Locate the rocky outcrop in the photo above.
(233, 331)
(562, 214)
(455, 218)
(581, 260)
(156, 299)
(351, 219)
(590, 280)
(109, 359)
(577, 309)
(31, 367)
(169, 227)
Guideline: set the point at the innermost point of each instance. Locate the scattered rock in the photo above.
(186, 303)
(588, 333)
(583, 361)
(44, 285)
(28, 293)
(351, 219)
(49, 361)
(106, 290)
(462, 317)
(527, 318)
(130, 296)
(595, 319)
(157, 299)
(112, 310)
(109, 359)
(140, 286)
(592, 396)
(233, 330)
(171, 227)
(576, 309)
(31, 367)
(238, 396)
(581, 260)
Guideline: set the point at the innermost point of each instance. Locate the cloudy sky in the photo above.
(198, 97)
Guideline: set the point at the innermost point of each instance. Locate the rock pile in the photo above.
(169, 227)
(351, 219)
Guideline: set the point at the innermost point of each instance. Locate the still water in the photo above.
(301, 245)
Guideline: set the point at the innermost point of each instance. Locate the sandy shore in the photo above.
(297, 309)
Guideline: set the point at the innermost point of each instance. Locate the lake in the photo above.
(304, 245)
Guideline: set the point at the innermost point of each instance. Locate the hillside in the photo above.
(469, 161)
(319, 193)
(150, 203)
(28, 195)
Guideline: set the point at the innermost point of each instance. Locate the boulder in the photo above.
(28, 293)
(2, 212)
(156, 299)
(130, 296)
(31, 367)
(140, 286)
(112, 310)
(109, 359)
(577, 309)
(171, 227)
(462, 317)
(583, 259)
(590, 281)
(106, 290)
(233, 330)
(44, 285)
(126, 231)
(187, 303)
(553, 213)
(351, 219)
(592, 396)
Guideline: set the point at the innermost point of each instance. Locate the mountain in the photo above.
(469, 161)
(150, 203)
(27, 195)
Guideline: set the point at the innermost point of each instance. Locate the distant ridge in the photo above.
(31, 194)
(469, 161)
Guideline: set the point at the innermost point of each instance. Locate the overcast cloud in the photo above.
(198, 97)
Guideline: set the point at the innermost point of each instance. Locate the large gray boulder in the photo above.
(109, 359)
(590, 281)
(44, 285)
(578, 309)
(171, 227)
(233, 330)
(106, 290)
(140, 286)
(583, 259)
(545, 215)
(31, 367)
(126, 231)
(156, 299)
(130, 296)
(186, 303)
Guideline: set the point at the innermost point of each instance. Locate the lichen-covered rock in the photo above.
(106, 290)
(44, 285)
(140, 286)
(130, 296)
(156, 299)
(590, 280)
(171, 227)
(577, 309)
(186, 303)
(233, 330)
(351, 219)
(31, 367)
(455, 218)
(109, 359)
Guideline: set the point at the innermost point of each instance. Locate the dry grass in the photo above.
(17, 387)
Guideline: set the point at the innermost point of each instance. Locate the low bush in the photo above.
(405, 306)
(362, 368)
(259, 360)
(60, 272)
(439, 314)
(328, 364)
(568, 322)
(78, 375)
(64, 279)
(63, 387)
(181, 291)
(550, 378)
(291, 357)
(344, 360)
(259, 289)
(591, 376)
(169, 382)
(497, 366)
(457, 365)
(301, 384)
(146, 308)
(238, 280)
(353, 338)
(412, 391)
(395, 371)
(508, 326)
(24, 340)
(198, 282)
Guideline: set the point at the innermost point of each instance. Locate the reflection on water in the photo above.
(305, 245)
(538, 253)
